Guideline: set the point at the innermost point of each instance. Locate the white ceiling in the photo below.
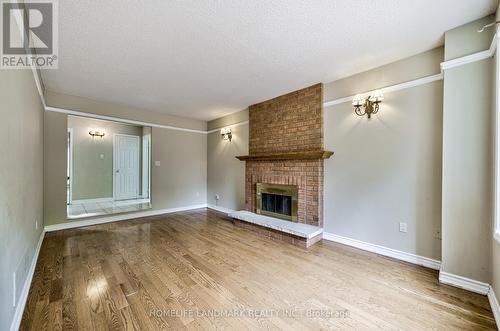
(206, 59)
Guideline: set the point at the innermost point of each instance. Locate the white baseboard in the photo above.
(21, 303)
(495, 307)
(400, 255)
(464, 283)
(120, 217)
(92, 200)
(221, 209)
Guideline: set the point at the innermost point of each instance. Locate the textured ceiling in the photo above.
(206, 59)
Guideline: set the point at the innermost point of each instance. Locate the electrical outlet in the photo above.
(217, 197)
(403, 227)
(437, 233)
(157, 163)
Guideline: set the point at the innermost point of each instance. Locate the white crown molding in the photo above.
(495, 307)
(466, 59)
(120, 217)
(229, 126)
(479, 56)
(118, 119)
(123, 120)
(386, 251)
(464, 283)
(391, 88)
(429, 79)
(221, 209)
(23, 297)
(34, 70)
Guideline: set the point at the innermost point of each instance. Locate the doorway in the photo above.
(69, 170)
(126, 167)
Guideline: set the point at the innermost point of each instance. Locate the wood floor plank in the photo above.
(194, 270)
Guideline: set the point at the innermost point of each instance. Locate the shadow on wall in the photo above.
(226, 174)
(387, 170)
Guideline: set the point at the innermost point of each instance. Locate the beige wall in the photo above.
(21, 182)
(468, 137)
(386, 170)
(226, 174)
(238, 117)
(420, 65)
(54, 167)
(93, 176)
(465, 40)
(114, 110)
(180, 180)
(495, 244)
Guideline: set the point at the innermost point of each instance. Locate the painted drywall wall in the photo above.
(387, 170)
(468, 136)
(93, 157)
(86, 105)
(420, 65)
(225, 173)
(21, 183)
(231, 119)
(465, 40)
(495, 243)
(180, 180)
(54, 167)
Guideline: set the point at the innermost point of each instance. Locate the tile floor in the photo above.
(88, 209)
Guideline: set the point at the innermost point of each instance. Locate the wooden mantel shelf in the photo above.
(307, 155)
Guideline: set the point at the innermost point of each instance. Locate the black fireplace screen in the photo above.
(275, 203)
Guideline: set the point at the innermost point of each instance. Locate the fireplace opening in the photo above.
(275, 203)
(277, 200)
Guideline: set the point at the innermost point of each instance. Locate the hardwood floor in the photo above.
(195, 270)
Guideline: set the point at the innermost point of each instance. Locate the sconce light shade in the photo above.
(358, 100)
(376, 96)
(96, 133)
(226, 134)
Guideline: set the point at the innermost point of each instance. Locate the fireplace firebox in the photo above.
(277, 200)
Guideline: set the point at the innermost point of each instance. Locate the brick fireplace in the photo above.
(306, 174)
(286, 147)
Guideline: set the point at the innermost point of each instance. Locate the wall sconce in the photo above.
(226, 134)
(96, 133)
(367, 106)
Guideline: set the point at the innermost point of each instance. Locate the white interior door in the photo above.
(125, 167)
(145, 165)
